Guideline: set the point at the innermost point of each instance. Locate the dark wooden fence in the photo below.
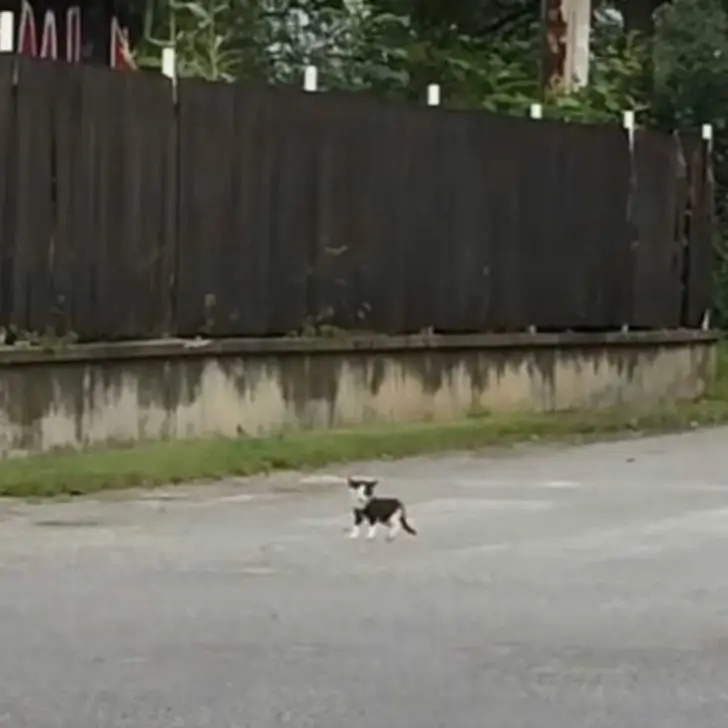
(244, 211)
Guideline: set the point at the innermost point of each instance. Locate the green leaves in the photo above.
(484, 54)
(691, 62)
(201, 34)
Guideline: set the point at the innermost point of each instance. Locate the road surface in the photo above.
(581, 587)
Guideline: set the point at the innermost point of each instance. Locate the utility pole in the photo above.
(566, 27)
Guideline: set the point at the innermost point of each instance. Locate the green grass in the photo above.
(52, 475)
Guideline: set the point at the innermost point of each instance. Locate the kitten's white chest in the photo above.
(358, 498)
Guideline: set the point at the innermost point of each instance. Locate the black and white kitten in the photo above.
(376, 511)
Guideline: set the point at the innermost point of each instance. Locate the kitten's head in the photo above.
(361, 489)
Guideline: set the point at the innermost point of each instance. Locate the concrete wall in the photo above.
(100, 394)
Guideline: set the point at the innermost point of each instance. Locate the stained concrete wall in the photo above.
(100, 394)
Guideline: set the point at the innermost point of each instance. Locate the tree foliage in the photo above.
(483, 53)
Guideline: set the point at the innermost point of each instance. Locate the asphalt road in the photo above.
(549, 588)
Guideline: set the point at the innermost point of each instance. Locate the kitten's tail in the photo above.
(406, 526)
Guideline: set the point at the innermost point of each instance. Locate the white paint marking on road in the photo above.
(258, 570)
(323, 479)
(559, 484)
(164, 495)
(243, 498)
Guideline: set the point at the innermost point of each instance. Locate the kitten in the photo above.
(376, 511)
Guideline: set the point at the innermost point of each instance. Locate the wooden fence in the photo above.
(244, 211)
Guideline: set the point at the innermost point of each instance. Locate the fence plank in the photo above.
(147, 128)
(596, 260)
(340, 170)
(700, 254)
(70, 282)
(8, 185)
(658, 254)
(253, 212)
(457, 212)
(384, 209)
(206, 137)
(32, 290)
(116, 194)
(295, 137)
(504, 173)
(243, 174)
(426, 210)
(358, 197)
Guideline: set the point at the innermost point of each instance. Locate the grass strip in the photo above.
(162, 463)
